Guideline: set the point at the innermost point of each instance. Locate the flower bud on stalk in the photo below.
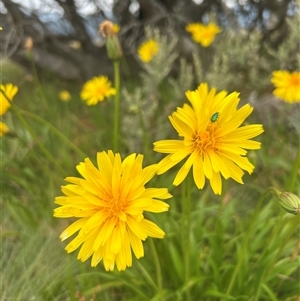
(113, 47)
(289, 202)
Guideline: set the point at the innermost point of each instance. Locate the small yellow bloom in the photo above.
(96, 90)
(148, 50)
(64, 95)
(3, 129)
(10, 91)
(109, 204)
(287, 85)
(203, 34)
(75, 44)
(213, 142)
(116, 28)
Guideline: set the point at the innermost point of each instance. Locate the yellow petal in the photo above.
(76, 226)
(181, 175)
(160, 193)
(216, 183)
(136, 244)
(136, 228)
(157, 206)
(152, 229)
(207, 168)
(198, 173)
(104, 233)
(117, 238)
(97, 257)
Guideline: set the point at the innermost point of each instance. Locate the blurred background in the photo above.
(67, 44)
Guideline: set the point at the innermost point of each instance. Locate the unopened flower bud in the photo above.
(28, 44)
(113, 47)
(289, 202)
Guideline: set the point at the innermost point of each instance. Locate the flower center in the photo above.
(100, 91)
(295, 80)
(206, 140)
(116, 205)
(207, 34)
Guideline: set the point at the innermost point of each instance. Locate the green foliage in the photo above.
(238, 60)
(242, 246)
(142, 106)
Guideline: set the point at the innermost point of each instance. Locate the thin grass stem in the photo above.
(55, 131)
(36, 77)
(293, 179)
(294, 222)
(116, 64)
(186, 229)
(157, 264)
(31, 132)
(146, 275)
(245, 242)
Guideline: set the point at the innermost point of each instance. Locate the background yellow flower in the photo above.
(3, 129)
(109, 204)
(10, 91)
(96, 90)
(148, 50)
(64, 95)
(213, 141)
(287, 85)
(116, 28)
(203, 34)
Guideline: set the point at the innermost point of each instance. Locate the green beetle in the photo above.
(214, 117)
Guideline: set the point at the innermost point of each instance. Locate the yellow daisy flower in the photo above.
(64, 95)
(96, 90)
(148, 50)
(203, 34)
(287, 85)
(3, 129)
(109, 204)
(213, 141)
(10, 91)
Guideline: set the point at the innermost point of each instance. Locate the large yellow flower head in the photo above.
(10, 91)
(109, 204)
(96, 90)
(213, 141)
(203, 34)
(3, 129)
(287, 85)
(148, 50)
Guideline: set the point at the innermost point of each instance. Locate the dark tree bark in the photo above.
(56, 51)
(52, 52)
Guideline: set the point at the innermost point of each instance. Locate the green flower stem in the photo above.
(293, 179)
(55, 131)
(186, 230)
(146, 139)
(38, 159)
(31, 132)
(36, 77)
(146, 275)
(157, 265)
(246, 240)
(116, 64)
